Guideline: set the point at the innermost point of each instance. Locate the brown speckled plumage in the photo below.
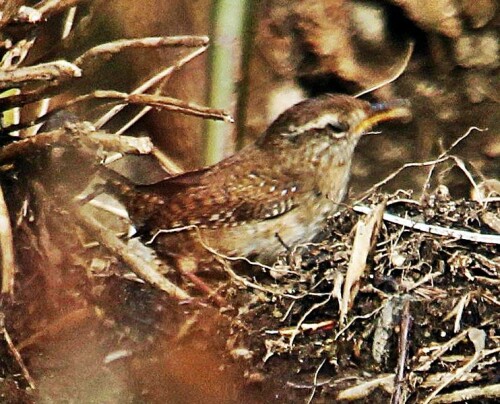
(286, 183)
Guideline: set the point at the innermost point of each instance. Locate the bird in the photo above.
(274, 193)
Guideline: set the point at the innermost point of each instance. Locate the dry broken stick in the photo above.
(6, 248)
(442, 158)
(149, 42)
(362, 245)
(398, 397)
(150, 83)
(150, 100)
(28, 97)
(478, 338)
(43, 10)
(53, 72)
(58, 70)
(15, 353)
(433, 229)
(83, 132)
(157, 101)
(145, 270)
(49, 71)
(168, 103)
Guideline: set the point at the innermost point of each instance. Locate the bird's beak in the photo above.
(385, 111)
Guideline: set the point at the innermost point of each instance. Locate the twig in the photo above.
(166, 162)
(424, 279)
(245, 282)
(17, 54)
(69, 20)
(433, 229)
(59, 70)
(48, 8)
(15, 353)
(391, 176)
(458, 310)
(476, 393)
(111, 142)
(106, 207)
(205, 245)
(398, 397)
(364, 389)
(8, 263)
(304, 317)
(460, 164)
(202, 286)
(440, 351)
(365, 230)
(363, 317)
(158, 101)
(304, 327)
(28, 97)
(147, 271)
(446, 152)
(396, 75)
(478, 338)
(150, 83)
(150, 42)
(315, 381)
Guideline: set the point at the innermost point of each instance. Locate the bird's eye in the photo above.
(337, 127)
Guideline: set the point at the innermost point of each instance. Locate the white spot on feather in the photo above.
(215, 217)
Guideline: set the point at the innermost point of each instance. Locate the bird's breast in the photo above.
(265, 239)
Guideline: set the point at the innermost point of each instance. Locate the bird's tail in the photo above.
(137, 203)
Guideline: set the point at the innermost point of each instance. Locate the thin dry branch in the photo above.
(15, 353)
(315, 306)
(48, 8)
(433, 229)
(121, 144)
(148, 271)
(166, 162)
(491, 391)
(28, 97)
(399, 71)
(157, 101)
(148, 42)
(478, 338)
(393, 175)
(17, 54)
(365, 388)
(8, 264)
(365, 231)
(150, 83)
(442, 158)
(439, 351)
(398, 396)
(58, 70)
(447, 152)
(315, 382)
(69, 21)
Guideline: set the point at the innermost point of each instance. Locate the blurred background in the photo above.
(266, 55)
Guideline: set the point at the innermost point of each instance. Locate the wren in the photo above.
(285, 184)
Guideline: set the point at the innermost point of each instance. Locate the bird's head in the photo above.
(330, 120)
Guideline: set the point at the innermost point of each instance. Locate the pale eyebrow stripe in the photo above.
(319, 123)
